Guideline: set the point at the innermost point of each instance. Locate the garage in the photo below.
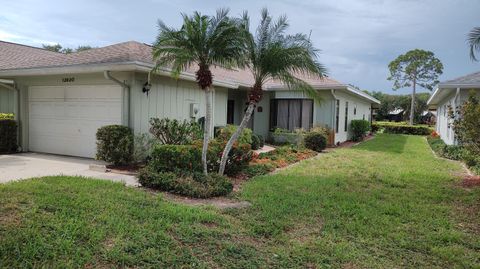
(64, 119)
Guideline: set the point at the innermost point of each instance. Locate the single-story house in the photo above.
(60, 100)
(449, 95)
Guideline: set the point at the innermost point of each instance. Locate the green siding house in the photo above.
(60, 100)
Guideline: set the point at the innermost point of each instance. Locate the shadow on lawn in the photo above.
(389, 143)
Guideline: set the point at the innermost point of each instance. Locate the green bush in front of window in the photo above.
(359, 129)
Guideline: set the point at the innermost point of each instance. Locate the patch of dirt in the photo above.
(217, 202)
(130, 170)
(471, 181)
(10, 218)
(305, 232)
(349, 144)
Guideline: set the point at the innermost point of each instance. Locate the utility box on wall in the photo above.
(194, 110)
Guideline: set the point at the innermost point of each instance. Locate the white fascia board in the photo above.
(115, 67)
(434, 94)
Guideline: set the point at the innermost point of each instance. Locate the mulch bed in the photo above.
(471, 181)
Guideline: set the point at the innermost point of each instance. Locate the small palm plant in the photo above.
(202, 41)
(473, 40)
(273, 55)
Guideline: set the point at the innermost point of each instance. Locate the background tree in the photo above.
(60, 49)
(203, 41)
(390, 102)
(474, 42)
(54, 48)
(415, 68)
(273, 55)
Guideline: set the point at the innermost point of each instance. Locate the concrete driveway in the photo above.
(28, 165)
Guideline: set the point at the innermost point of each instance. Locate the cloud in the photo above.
(357, 38)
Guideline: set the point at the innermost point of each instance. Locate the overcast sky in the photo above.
(358, 38)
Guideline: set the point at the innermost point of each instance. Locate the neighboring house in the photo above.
(62, 99)
(450, 95)
(396, 115)
(428, 117)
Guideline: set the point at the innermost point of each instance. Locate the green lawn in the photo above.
(387, 203)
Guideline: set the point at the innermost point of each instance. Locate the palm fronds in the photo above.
(473, 40)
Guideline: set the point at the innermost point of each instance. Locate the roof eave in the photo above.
(100, 67)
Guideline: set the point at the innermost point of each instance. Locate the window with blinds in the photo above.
(291, 114)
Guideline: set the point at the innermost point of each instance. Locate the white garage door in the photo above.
(64, 119)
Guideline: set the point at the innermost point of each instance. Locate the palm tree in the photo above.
(474, 42)
(203, 41)
(273, 55)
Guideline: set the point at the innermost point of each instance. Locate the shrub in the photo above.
(186, 158)
(8, 136)
(142, 148)
(395, 128)
(258, 169)
(286, 137)
(257, 141)
(226, 132)
(176, 158)
(315, 141)
(453, 152)
(466, 124)
(6, 116)
(238, 158)
(359, 129)
(115, 144)
(175, 132)
(195, 185)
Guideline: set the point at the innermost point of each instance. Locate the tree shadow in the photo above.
(389, 143)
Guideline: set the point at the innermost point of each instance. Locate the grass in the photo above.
(387, 203)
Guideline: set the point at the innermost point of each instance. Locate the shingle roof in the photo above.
(16, 56)
(470, 79)
(12, 54)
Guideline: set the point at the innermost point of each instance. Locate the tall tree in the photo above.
(415, 68)
(273, 55)
(54, 48)
(203, 41)
(474, 42)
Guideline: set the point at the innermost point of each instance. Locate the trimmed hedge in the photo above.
(8, 136)
(401, 129)
(115, 144)
(359, 129)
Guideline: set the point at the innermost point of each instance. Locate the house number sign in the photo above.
(65, 80)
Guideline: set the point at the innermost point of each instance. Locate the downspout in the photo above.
(334, 112)
(126, 95)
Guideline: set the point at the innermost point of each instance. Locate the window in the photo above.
(363, 118)
(337, 115)
(346, 116)
(355, 110)
(230, 111)
(291, 114)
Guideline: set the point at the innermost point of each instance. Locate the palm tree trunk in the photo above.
(412, 107)
(234, 137)
(206, 129)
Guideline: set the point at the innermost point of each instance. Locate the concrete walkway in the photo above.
(28, 165)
